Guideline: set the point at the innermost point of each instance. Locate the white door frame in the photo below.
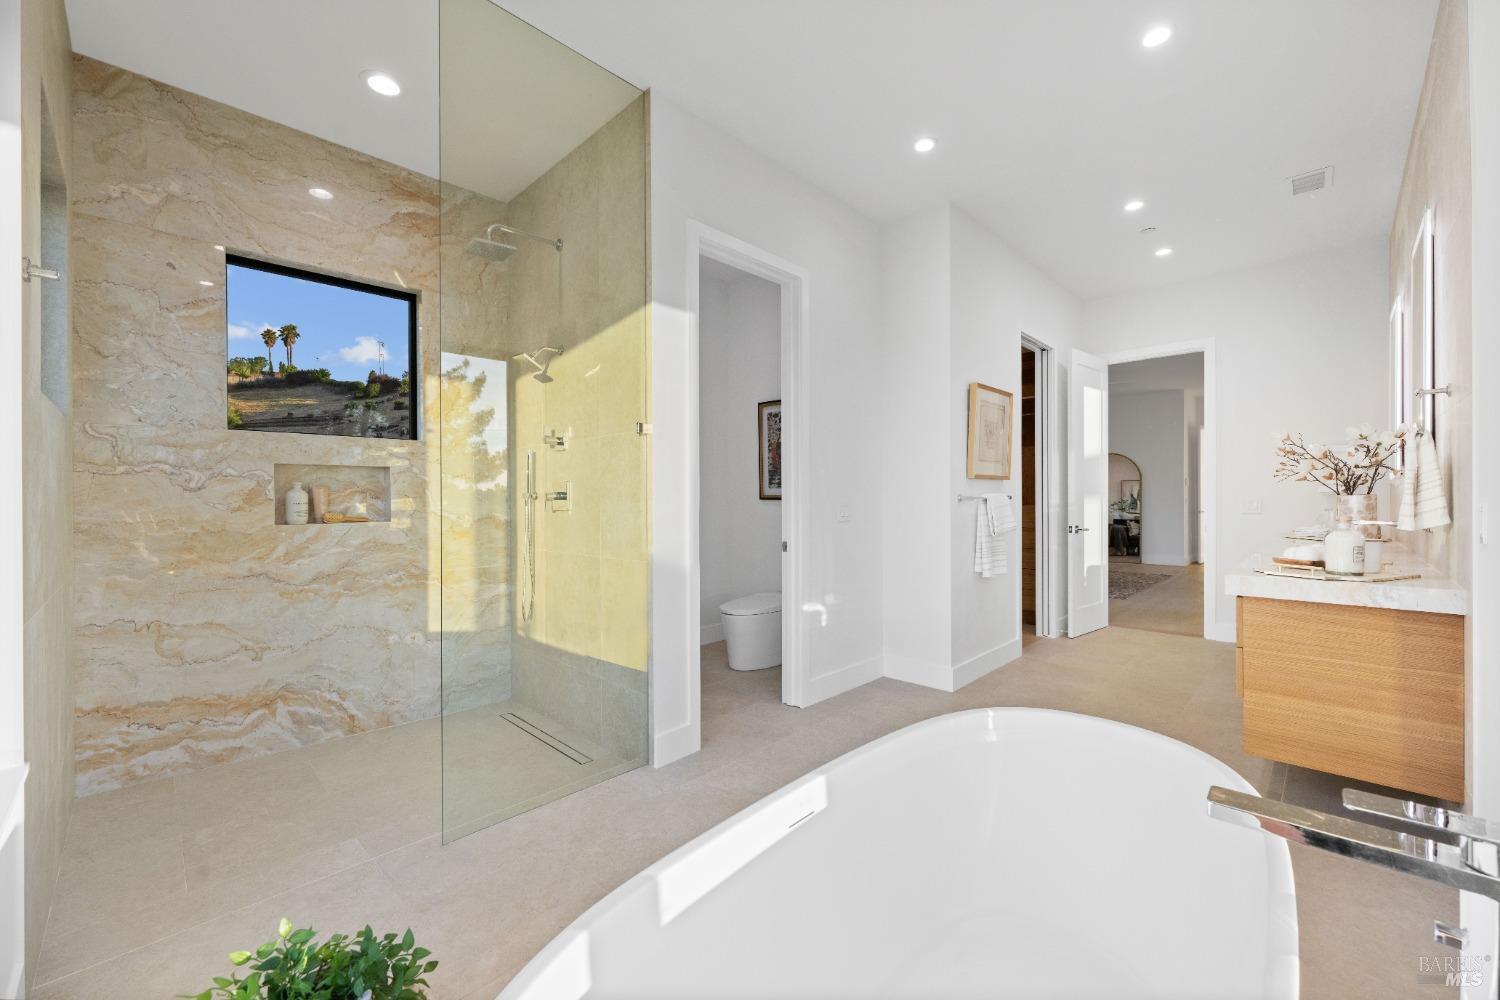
(14, 195)
(1208, 472)
(703, 241)
(1046, 617)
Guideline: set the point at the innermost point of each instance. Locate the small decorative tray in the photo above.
(1319, 573)
(1297, 563)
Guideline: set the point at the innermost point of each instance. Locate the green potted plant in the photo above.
(296, 967)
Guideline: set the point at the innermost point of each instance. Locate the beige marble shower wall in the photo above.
(47, 674)
(582, 658)
(205, 632)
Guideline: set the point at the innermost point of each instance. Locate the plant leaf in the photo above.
(239, 957)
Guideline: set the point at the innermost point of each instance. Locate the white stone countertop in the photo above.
(1432, 592)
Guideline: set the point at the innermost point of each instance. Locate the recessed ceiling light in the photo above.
(1134, 205)
(322, 194)
(1156, 36)
(219, 247)
(926, 144)
(1164, 252)
(205, 283)
(382, 83)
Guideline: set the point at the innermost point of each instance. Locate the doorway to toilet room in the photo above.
(741, 485)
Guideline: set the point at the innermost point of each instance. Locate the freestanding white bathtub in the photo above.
(1007, 852)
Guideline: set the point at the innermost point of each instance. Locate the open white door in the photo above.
(1088, 489)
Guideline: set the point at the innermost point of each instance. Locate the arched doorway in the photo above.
(1124, 508)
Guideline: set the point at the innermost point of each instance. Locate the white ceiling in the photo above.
(514, 101)
(1182, 372)
(1049, 114)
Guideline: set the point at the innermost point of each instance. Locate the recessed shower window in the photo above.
(313, 354)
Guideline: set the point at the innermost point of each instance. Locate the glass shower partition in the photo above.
(541, 446)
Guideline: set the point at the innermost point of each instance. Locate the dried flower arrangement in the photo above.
(1361, 464)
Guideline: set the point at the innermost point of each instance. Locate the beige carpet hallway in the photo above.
(1174, 605)
(162, 880)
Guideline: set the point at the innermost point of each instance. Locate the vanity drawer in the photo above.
(1368, 693)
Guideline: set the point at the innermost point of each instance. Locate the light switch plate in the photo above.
(843, 515)
(1253, 506)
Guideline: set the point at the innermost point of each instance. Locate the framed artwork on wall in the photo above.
(769, 422)
(991, 417)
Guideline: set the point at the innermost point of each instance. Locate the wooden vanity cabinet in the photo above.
(1369, 693)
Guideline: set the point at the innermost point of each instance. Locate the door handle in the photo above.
(1074, 529)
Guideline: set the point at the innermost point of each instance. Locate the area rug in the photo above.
(1124, 585)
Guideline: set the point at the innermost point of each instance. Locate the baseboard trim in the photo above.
(835, 683)
(710, 634)
(1221, 632)
(926, 673)
(976, 667)
(675, 744)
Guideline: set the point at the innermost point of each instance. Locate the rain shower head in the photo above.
(489, 249)
(545, 354)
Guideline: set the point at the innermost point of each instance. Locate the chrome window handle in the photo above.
(30, 270)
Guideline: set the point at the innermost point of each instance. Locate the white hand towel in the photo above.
(1423, 502)
(993, 519)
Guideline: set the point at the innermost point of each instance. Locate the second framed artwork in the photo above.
(769, 420)
(991, 419)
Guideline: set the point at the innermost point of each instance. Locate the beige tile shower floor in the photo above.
(162, 880)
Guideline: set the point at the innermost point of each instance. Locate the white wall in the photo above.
(700, 174)
(996, 297)
(1300, 345)
(739, 363)
(1151, 429)
(957, 301)
(916, 312)
(1483, 652)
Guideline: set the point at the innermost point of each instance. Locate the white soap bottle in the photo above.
(1344, 549)
(296, 505)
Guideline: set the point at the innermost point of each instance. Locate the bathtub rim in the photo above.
(1283, 885)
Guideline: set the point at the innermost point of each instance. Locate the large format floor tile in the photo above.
(161, 881)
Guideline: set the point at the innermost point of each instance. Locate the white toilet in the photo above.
(752, 630)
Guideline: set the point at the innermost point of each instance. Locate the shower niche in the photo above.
(543, 376)
(352, 490)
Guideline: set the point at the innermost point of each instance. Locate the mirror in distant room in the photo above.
(309, 353)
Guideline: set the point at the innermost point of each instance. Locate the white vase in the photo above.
(1359, 507)
(296, 505)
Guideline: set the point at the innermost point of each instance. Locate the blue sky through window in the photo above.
(341, 328)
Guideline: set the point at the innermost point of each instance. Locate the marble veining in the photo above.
(204, 633)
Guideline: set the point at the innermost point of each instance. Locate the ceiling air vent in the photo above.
(1313, 180)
